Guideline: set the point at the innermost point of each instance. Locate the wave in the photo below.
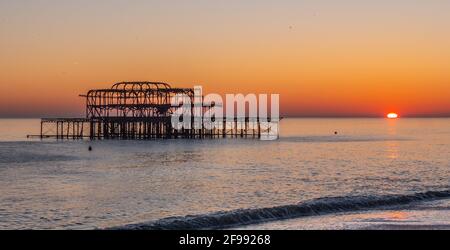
(327, 205)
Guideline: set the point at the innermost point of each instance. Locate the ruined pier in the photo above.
(143, 110)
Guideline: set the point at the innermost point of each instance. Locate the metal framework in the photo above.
(142, 110)
(132, 99)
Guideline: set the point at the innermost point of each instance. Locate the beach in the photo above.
(420, 216)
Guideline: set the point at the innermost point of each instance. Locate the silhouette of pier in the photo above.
(143, 110)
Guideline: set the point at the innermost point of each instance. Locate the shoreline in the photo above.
(430, 215)
(319, 212)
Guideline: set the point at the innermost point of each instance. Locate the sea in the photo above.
(322, 173)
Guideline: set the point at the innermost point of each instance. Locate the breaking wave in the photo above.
(319, 206)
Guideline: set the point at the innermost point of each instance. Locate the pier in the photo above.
(143, 110)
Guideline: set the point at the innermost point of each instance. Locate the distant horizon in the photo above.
(282, 116)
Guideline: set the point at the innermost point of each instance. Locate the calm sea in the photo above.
(369, 164)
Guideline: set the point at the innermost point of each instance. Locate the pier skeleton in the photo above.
(143, 110)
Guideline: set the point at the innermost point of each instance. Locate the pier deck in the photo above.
(148, 128)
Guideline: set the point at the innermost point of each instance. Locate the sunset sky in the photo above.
(324, 58)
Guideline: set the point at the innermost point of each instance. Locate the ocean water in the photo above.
(374, 173)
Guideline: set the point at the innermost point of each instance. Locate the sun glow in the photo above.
(392, 116)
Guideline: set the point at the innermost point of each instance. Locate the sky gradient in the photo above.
(324, 58)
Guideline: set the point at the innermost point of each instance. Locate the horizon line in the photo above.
(283, 116)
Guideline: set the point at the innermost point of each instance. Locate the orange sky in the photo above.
(336, 58)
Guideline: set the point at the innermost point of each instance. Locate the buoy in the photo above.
(335, 132)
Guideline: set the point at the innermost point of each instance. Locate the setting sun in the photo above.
(392, 115)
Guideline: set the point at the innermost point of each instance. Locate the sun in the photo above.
(392, 115)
